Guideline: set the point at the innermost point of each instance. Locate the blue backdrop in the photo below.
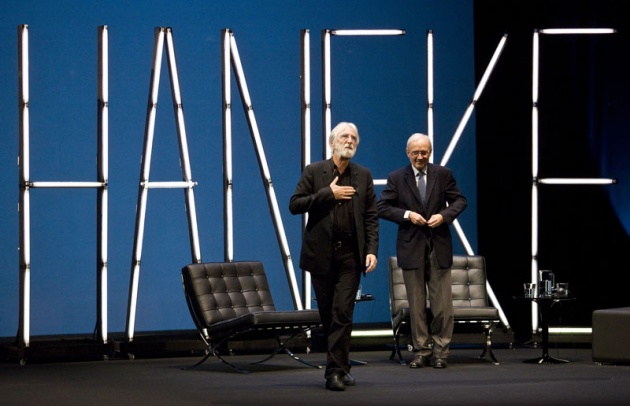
(378, 82)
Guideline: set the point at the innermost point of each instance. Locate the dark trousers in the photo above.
(433, 340)
(336, 294)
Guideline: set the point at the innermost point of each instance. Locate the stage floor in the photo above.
(468, 380)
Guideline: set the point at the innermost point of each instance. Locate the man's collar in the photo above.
(416, 171)
(335, 167)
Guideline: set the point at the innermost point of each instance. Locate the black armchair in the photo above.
(232, 299)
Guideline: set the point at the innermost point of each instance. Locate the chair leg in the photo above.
(396, 349)
(212, 350)
(241, 370)
(273, 354)
(295, 357)
(282, 346)
(487, 350)
(208, 352)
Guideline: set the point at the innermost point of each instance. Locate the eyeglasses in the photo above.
(416, 153)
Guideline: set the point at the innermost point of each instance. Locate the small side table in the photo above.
(545, 303)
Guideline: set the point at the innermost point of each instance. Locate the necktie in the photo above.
(422, 187)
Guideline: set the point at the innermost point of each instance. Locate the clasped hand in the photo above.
(434, 221)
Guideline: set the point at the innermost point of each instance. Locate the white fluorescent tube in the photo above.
(578, 31)
(367, 32)
(577, 181)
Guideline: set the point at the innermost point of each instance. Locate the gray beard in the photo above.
(344, 153)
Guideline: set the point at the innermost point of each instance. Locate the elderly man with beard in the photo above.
(339, 243)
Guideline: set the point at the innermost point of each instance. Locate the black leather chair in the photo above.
(232, 300)
(470, 301)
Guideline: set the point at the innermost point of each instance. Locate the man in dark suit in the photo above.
(339, 243)
(424, 248)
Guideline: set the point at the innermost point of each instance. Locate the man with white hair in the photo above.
(423, 199)
(340, 242)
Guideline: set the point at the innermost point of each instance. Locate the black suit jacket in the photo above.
(314, 196)
(401, 194)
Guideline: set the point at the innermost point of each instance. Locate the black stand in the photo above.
(545, 303)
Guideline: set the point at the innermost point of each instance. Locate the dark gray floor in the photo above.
(283, 381)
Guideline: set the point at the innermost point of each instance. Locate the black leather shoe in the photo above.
(335, 383)
(348, 380)
(419, 362)
(439, 363)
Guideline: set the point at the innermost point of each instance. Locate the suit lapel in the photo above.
(410, 179)
(354, 172)
(430, 182)
(327, 172)
(327, 178)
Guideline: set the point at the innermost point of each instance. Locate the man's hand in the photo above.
(435, 220)
(341, 192)
(418, 220)
(370, 262)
